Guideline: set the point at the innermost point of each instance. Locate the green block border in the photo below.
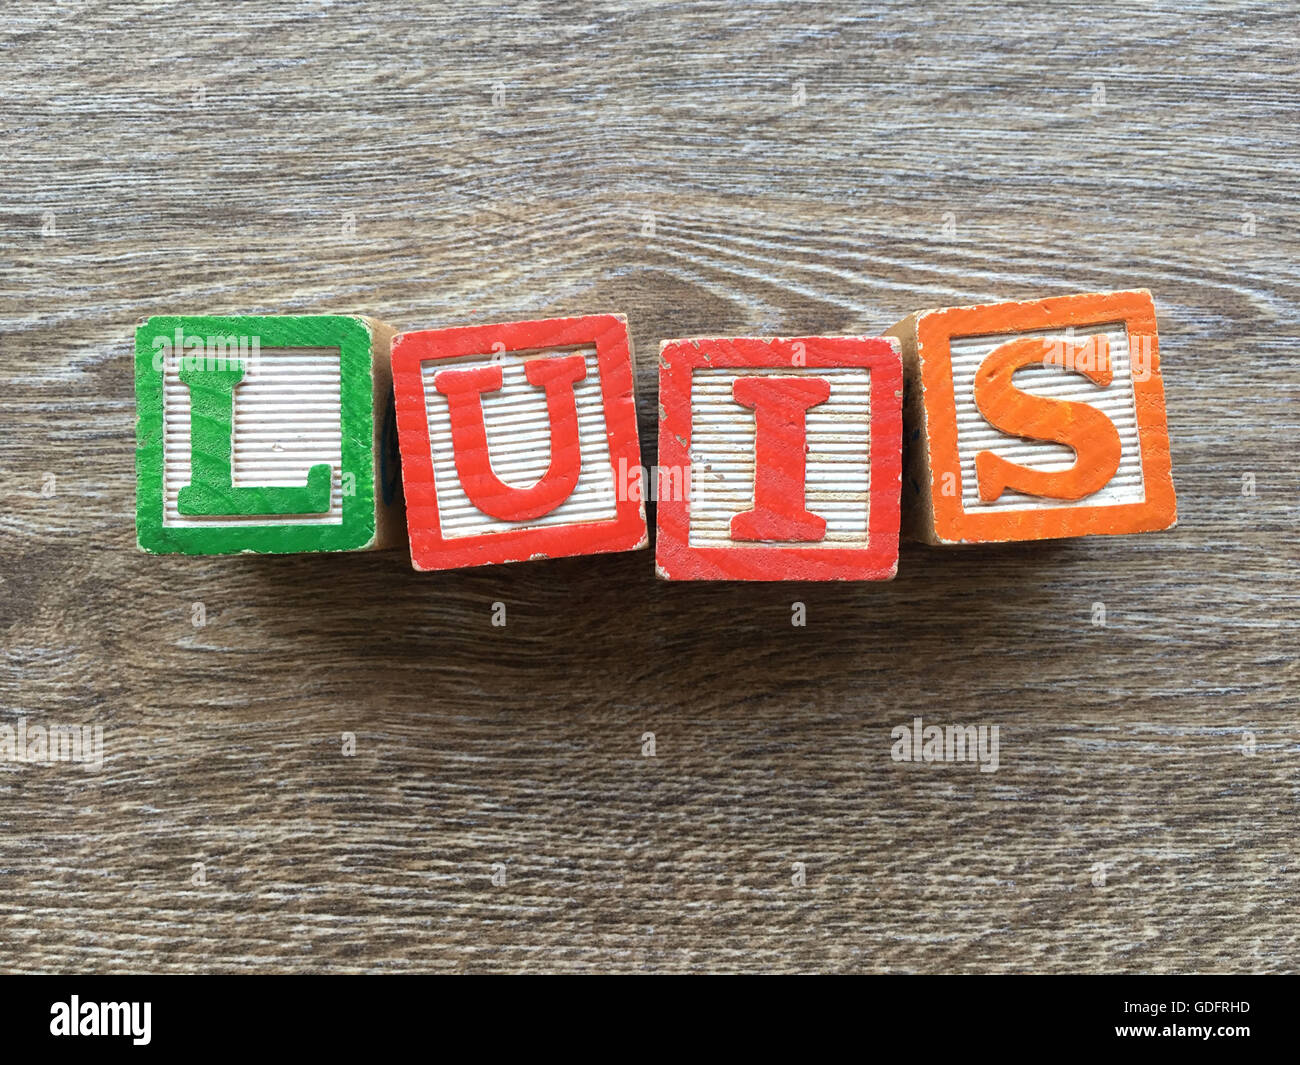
(355, 341)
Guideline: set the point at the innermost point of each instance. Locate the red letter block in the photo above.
(512, 439)
(779, 459)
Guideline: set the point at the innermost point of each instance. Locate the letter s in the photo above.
(1084, 428)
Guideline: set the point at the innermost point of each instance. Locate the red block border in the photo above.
(429, 550)
(674, 557)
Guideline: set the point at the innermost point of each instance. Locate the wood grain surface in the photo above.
(719, 169)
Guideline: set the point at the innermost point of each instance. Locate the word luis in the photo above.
(778, 458)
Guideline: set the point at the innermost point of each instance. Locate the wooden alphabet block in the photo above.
(779, 459)
(517, 441)
(1035, 420)
(264, 434)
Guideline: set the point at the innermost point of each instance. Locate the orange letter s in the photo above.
(1084, 428)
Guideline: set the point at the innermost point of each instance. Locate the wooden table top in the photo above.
(722, 169)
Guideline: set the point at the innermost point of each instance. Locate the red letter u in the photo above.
(464, 391)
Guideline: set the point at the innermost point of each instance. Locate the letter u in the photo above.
(464, 391)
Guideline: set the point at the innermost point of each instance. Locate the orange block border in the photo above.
(952, 523)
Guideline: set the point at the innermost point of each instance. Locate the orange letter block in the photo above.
(1034, 420)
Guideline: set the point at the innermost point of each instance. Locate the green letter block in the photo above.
(264, 434)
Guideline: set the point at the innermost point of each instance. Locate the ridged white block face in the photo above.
(975, 434)
(838, 477)
(288, 418)
(519, 444)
